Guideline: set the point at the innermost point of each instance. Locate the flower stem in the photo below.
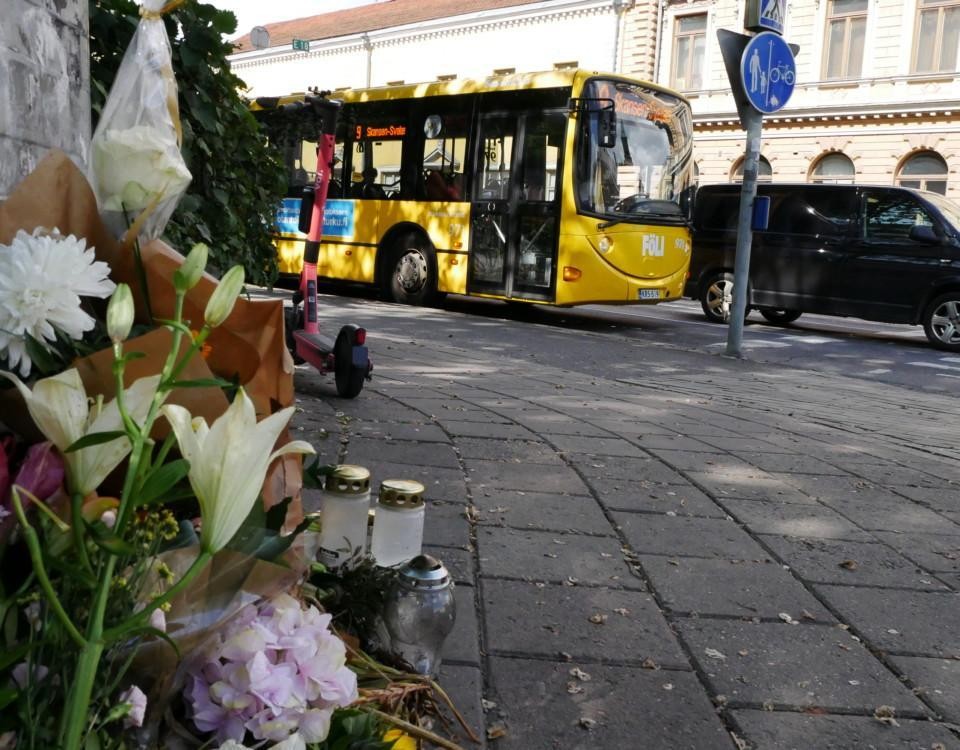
(36, 556)
(79, 542)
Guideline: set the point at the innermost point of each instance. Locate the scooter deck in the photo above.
(315, 348)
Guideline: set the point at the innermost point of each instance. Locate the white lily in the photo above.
(61, 410)
(228, 462)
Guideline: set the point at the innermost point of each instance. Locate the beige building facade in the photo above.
(877, 96)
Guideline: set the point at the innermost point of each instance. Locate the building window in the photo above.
(689, 44)
(835, 169)
(846, 31)
(938, 36)
(924, 171)
(764, 173)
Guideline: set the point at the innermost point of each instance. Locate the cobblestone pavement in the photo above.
(717, 556)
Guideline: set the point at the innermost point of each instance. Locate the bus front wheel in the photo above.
(411, 272)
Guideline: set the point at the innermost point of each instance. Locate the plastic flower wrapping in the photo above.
(276, 670)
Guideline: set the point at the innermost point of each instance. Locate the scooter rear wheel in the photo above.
(349, 379)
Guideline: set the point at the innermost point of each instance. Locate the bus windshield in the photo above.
(644, 173)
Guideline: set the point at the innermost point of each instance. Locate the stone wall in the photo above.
(44, 83)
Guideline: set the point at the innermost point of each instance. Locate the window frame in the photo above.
(923, 178)
(814, 179)
(847, 18)
(939, 7)
(690, 65)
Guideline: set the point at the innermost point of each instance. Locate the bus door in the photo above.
(516, 205)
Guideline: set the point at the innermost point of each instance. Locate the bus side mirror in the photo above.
(608, 127)
(306, 209)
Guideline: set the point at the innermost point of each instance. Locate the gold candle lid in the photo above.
(402, 494)
(348, 479)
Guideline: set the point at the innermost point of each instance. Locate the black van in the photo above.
(881, 253)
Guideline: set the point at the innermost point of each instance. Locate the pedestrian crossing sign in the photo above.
(765, 15)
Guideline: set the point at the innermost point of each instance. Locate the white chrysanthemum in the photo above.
(42, 278)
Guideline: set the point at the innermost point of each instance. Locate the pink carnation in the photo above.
(275, 670)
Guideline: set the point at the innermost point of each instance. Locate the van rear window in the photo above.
(718, 211)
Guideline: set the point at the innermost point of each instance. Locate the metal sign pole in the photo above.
(753, 122)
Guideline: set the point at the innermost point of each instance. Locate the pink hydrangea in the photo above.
(275, 670)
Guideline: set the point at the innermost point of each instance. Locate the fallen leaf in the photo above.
(587, 723)
(714, 654)
(885, 715)
(668, 686)
(743, 652)
(580, 674)
(565, 656)
(496, 731)
(807, 616)
(787, 618)
(597, 618)
(649, 663)
(573, 688)
(849, 564)
(767, 706)
(622, 611)
(487, 705)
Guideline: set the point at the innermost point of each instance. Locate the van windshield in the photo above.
(949, 209)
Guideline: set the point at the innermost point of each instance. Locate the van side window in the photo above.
(812, 212)
(890, 217)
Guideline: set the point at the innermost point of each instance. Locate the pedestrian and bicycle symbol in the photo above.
(768, 72)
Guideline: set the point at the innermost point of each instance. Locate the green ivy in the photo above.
(238, 178)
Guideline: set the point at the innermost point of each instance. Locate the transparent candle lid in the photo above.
(348, 479)
(401, 494)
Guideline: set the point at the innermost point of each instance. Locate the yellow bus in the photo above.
(564, 187)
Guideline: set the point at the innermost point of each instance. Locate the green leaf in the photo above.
(117, 712)
(13, 655)
(7, 696)
(43, 359)
(277, 515)
(202, 383)
(95, 438)
(107, 540)
(162, 479)
(316, 473)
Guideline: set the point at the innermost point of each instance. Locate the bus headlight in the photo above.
(605, 244)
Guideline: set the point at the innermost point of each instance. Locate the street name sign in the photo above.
(301, 45)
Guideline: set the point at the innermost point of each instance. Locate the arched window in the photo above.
(764, 173)
(925, 170)
(835, 169)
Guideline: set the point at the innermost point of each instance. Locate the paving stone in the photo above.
(552, 557)
(797, 666)
(547, 620)
(445, 524)
(457, 560)
(498, 475)
(936, 552)
(830, 488)
(743, 588)
(447, 409)
(549, 425)
(599, 446)
(892, 475)
(486, 429)
(790, 463)
(935, 680)
(685, 536)
(755, 486)
(365, 451)
(419, 431)
(462, 645)
(624, 468)
(793, 519)
(739, 445)
(905, 622)
(781, 730)
(850, 563)
(653, 497)
(464, 686)
(632, 708)
(688, 460)
(537, 510)
(648, 434)
(946, 497)
(511, 451)
(674, 442)
(891, 515)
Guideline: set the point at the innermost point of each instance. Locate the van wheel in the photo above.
(716, 297)
(941, 322)
(779, 316)
(412, 271)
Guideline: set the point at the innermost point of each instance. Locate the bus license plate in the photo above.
(649, 294)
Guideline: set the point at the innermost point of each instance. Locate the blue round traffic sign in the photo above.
(768, 72)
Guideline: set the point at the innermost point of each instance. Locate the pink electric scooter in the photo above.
(346, 357)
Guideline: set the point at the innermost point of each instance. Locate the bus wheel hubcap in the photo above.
(412, 272)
